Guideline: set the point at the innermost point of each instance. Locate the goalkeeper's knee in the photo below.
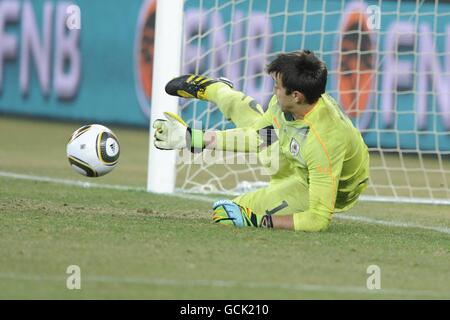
(310, 222)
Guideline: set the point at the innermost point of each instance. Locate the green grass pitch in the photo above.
(131, 244)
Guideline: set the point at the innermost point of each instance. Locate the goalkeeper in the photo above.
(324, 162)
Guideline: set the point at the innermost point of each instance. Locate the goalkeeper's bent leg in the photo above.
(241, 109)
(286, 196)
(235, 105)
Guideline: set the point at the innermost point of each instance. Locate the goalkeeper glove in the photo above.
(174, 133)
(229, 213)
(193, 86)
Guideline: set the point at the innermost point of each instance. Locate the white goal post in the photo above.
(388, 65)
(167, 65)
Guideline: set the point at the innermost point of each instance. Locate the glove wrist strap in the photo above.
(266, 221)
(195, 140)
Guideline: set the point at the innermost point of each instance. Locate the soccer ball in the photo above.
(93, 150)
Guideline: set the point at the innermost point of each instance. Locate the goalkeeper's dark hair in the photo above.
(301, 71)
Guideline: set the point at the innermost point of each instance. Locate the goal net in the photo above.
(389, 68)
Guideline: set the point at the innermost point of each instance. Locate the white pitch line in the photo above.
(82, 184)
(405, 200)
(227, 284)
(391, 223)
(77, 183)
(86, 184)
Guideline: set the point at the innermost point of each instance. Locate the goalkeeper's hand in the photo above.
(174, 133)
(229, 213)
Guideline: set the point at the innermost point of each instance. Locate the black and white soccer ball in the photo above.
(93, 150)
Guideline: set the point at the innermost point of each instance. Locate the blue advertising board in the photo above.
(99, 69)
(85, 73)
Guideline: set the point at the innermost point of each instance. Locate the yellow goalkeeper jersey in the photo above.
(324, 146)
(329, 149)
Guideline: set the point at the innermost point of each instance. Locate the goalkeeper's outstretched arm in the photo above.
(173, 133)
(245, 113)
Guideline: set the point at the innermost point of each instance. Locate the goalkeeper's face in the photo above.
(287, 102)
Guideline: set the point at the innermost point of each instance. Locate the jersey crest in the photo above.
(294, 147)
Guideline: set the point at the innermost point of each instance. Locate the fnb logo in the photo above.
(368, 82)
